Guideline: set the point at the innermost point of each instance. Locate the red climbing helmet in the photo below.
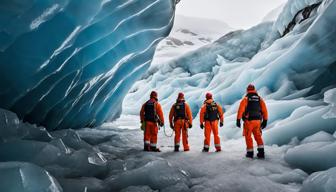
(250, 87)
(154, 95)
(208, 95)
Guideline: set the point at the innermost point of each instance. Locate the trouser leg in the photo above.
(258, 137)
(207, 133)
(147, 137)
(154, 132)
(248, 138)
(257, 134)
(177, 128)
(214, 126)
(185, 138)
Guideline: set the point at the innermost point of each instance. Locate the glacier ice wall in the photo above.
(69, 64)
(291, 70)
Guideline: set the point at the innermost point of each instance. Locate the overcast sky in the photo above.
(237, 13)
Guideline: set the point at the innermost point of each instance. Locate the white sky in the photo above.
(237, 13)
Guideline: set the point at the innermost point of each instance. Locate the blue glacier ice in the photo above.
(291, 61)
(69, 64)
(322, 181)
(26, 177)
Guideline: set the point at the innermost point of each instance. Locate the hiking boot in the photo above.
(249, 154)
(177, 148)
(261, 153)
(205, 149)
(154, 149)
(146, 147)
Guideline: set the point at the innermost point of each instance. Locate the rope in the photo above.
(165, 133)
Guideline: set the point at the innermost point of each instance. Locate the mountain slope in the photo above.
(188, 34)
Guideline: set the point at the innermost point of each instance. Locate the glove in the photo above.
(171, 126)
(238, 123)
(190, 126)
(263, 124)
(143, 126)
(201, 125)
(160, 124)
(221, 124)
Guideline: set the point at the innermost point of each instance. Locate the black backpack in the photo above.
(253, 109)
(150, 111)
(211, 113)
(180, 110)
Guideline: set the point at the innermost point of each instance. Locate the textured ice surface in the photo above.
(29, 151)
(10, 128)
(330, 97)
(313, 156)
(68, 64)
(111, 159)
(318, 137)
(290, 10)
(26, 177)
(156, 174)
(302, 123)
(295, 176)
(323, 181)
(82, 184)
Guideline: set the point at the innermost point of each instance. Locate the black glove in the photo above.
(160, 124)
(190, 126)
(221, 124)
(238, 123)
(201, 125)
(263, 124)
(171, 126)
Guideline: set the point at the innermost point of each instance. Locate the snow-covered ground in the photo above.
(111, 159)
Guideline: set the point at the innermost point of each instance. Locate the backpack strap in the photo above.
(155, 114)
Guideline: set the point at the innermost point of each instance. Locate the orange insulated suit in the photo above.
(180, 118)
(253, 111)
(151, 114)
(210, 114)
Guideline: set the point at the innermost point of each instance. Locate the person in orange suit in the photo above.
(180, 119)
(210, 114)
(253, 111)
(151, 115)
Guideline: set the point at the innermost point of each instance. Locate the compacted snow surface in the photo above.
(111, 159)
